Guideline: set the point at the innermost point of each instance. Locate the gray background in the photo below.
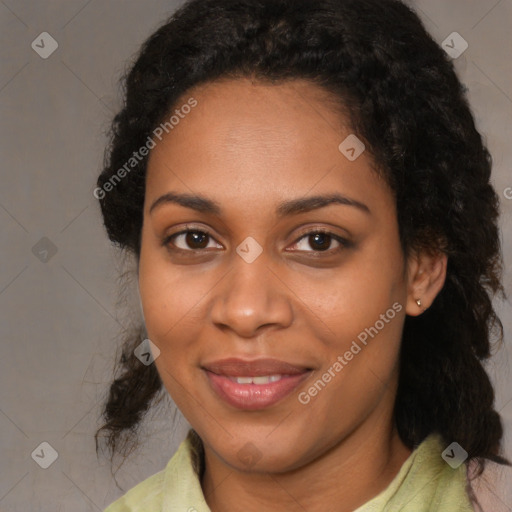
(59, 317)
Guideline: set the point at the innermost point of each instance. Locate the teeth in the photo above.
(244, 380)
(264, 379)
(261, 380)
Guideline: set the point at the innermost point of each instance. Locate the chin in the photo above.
(272, 458)
(268, 463)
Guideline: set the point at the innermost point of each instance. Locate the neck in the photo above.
(345, 477)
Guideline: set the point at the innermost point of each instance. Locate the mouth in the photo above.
(254, 385)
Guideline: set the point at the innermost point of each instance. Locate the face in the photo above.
(254, 271)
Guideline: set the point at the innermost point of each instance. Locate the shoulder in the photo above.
(440, 469)
(426, 482)
(164, 490)
(146, 496)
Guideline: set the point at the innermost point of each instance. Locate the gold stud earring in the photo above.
(418, 301)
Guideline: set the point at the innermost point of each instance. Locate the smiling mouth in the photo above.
(254, 384)
(254, 392)
(263, 379)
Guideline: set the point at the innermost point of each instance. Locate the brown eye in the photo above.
(189, 240)
(320, 241)
(196, 239)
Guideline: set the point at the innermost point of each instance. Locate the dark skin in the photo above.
(249, 147)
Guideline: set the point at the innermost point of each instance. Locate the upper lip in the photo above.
(235, 367)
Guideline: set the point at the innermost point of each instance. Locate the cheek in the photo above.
(363, 305)
(354, 296)
(171, 296)
(170, 307)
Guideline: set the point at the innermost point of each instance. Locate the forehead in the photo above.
(260, 141)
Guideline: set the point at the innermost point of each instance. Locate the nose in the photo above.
(251, 299)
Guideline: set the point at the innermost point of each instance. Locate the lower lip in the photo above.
(254, 396)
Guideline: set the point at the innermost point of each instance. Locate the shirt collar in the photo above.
(423, 480)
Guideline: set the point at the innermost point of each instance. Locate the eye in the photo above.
(190, 240)
(195, 240)
(320, 241)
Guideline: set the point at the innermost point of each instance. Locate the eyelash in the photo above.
(344, 243)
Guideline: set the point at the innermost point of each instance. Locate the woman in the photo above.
(308, 202)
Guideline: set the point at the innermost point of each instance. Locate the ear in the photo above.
(426, 274)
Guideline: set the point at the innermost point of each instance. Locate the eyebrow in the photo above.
(290, 207)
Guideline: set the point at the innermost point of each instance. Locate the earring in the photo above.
(418, 301)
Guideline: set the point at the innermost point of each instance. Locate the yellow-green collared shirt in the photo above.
(425, 483)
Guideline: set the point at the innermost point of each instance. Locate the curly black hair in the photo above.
(405, 102)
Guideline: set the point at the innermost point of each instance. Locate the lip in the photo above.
(235, 367)
(254, 396)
